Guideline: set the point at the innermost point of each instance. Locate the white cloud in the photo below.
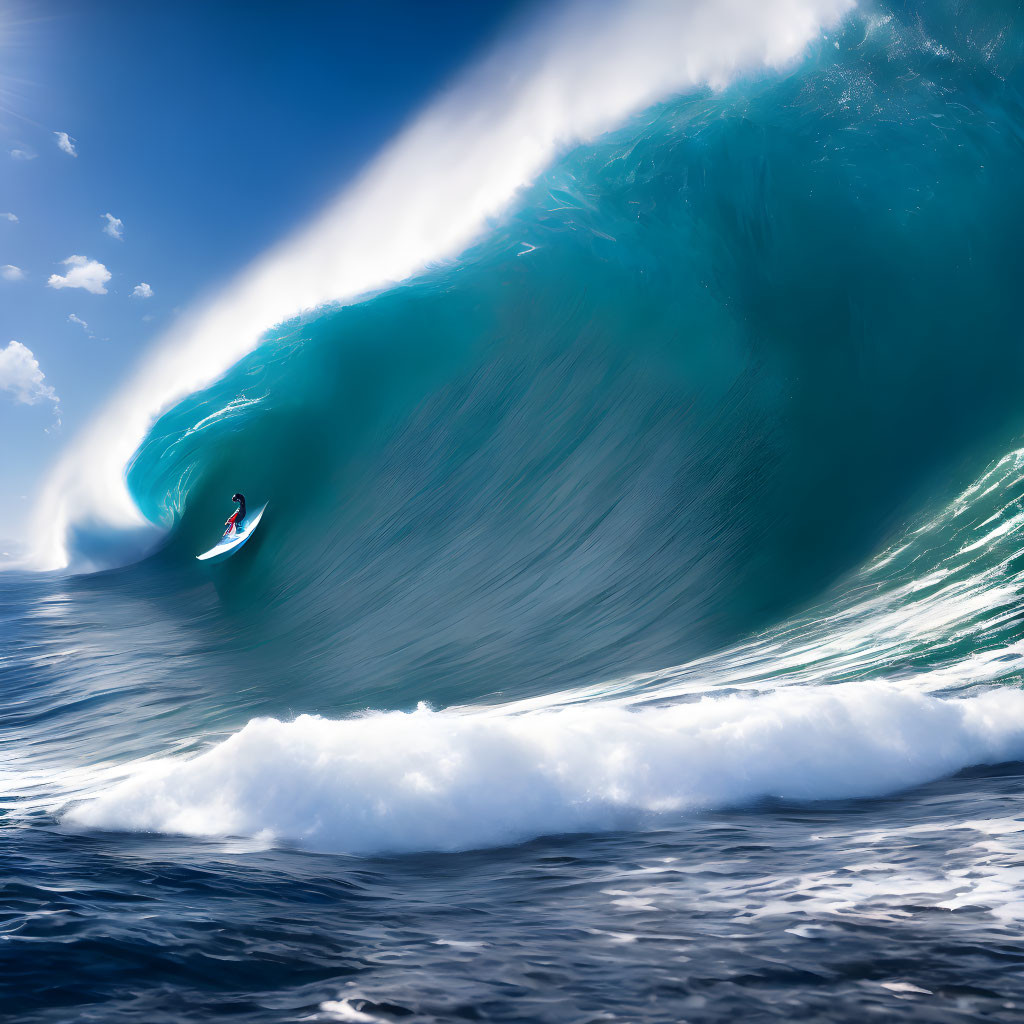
(78, 320)
(12, 273)
(21, 376)
(66, 144)
(12, 217)
(114, 226)
(84, 273)
(22, 154)
(142, 291)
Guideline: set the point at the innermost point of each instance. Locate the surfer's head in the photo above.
(240, 498)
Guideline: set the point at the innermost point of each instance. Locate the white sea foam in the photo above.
(445, 781)
(575, 74)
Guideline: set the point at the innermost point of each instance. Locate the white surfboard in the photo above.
(230, 543)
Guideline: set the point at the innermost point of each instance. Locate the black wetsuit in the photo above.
(235, 520)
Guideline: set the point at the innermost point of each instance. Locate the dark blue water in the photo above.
(784, 913)
(634, 630)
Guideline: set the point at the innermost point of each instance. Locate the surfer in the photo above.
(236, 517)
(240, 526)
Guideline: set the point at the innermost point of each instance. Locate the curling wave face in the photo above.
(574, 73)
(703, 370)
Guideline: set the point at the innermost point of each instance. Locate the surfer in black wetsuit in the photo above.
(235, 520)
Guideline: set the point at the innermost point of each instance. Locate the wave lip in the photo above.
(398, 782)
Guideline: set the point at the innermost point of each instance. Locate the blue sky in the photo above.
(205, 131)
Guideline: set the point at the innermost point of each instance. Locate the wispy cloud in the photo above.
(84, 273)
(114, 226)
(12, 217)
(142, 291)
(78, 320)
(66, 144)
(12, 273)
(21, 153)
(21, 376)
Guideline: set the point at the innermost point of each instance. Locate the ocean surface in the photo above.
(635, 630)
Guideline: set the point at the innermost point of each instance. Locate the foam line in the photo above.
(444, 781)
(577, 72)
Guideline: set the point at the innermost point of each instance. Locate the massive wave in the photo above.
(572, 74)
(694, 376)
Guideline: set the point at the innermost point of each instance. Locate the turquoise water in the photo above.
(755, 332)
(652, 567)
